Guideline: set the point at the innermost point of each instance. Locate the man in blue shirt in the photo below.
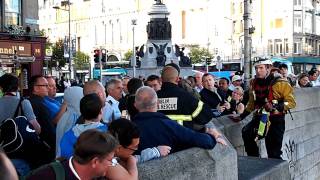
(55, 108)
(157, 129)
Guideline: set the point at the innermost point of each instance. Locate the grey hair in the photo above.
(112, 83)
(146, 98)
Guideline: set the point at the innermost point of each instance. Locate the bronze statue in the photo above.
(161, 57)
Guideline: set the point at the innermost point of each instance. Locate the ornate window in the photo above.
(12, 12)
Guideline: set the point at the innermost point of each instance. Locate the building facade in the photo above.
(287, 29)
(22, 48)
(108, 24)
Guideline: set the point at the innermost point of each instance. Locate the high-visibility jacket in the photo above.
(181, 106)
(269, 90)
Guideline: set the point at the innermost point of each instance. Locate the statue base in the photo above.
(145, 72)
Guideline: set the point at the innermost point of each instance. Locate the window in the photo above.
(241, 8)
(286, 46)
(241, 26)
(297, 2)
(12, 12)
(271, 49)
(1, 19)
(279, 47)
(297, 47)
(297, 21)
(232, 8)
(183, 20)
(278, 23)
(79, 42)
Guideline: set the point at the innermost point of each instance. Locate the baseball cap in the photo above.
(262, 60)
(236, 78)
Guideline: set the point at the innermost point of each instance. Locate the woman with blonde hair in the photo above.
(237, 107)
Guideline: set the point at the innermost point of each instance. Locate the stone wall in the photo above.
(219, 163)
(301, 143)
(301, 149)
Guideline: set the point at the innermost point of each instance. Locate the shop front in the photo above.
(23, 57)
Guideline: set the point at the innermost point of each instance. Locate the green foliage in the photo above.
(128, 55)
(81, 61)
(42, 33)
(198, 54)
(57, 53)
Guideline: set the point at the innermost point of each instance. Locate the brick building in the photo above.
(22, 48)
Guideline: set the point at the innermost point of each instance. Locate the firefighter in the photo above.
(178, 104)
(270, 97)
(181, 106)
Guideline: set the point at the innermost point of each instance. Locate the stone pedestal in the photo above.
(158, 48)
(145, 72)
(159, 51)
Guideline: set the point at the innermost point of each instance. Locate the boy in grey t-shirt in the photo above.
(10, 101)
(9, 104)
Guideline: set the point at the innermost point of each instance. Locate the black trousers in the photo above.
(273, 138)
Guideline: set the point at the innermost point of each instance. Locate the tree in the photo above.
(198, 54)
(57, 53)
(128, 55)
(81, 61)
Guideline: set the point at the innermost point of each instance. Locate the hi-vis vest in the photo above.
(166, 104)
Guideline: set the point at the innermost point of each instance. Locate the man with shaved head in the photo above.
(180, 105)
(95, 86)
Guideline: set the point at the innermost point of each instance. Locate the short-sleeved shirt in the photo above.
(53, 106)
(9, 104)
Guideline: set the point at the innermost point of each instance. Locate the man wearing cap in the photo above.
(270, 98)
(235, 81)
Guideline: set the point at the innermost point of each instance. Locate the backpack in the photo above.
(10, 137)
(56, 166)
(20, 141)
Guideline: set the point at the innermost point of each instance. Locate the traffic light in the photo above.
(251, 30)
(208, 61)
(96, 55)
(104, 55)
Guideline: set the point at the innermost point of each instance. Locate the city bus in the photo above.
(225, 66)
(107, 74)
(304, 64)
(228, 68)
(297, 65)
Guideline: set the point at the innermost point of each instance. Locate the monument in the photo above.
(159, 51)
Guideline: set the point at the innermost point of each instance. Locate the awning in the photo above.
(308, 60)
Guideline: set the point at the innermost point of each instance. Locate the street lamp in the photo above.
(67, 3)
(133, 23)
(231, 34)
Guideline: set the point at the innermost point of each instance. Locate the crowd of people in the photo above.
(105, 130)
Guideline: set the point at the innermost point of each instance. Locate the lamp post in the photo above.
(231, 34)
(133, 22)
(67, 3)
(247, 41)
